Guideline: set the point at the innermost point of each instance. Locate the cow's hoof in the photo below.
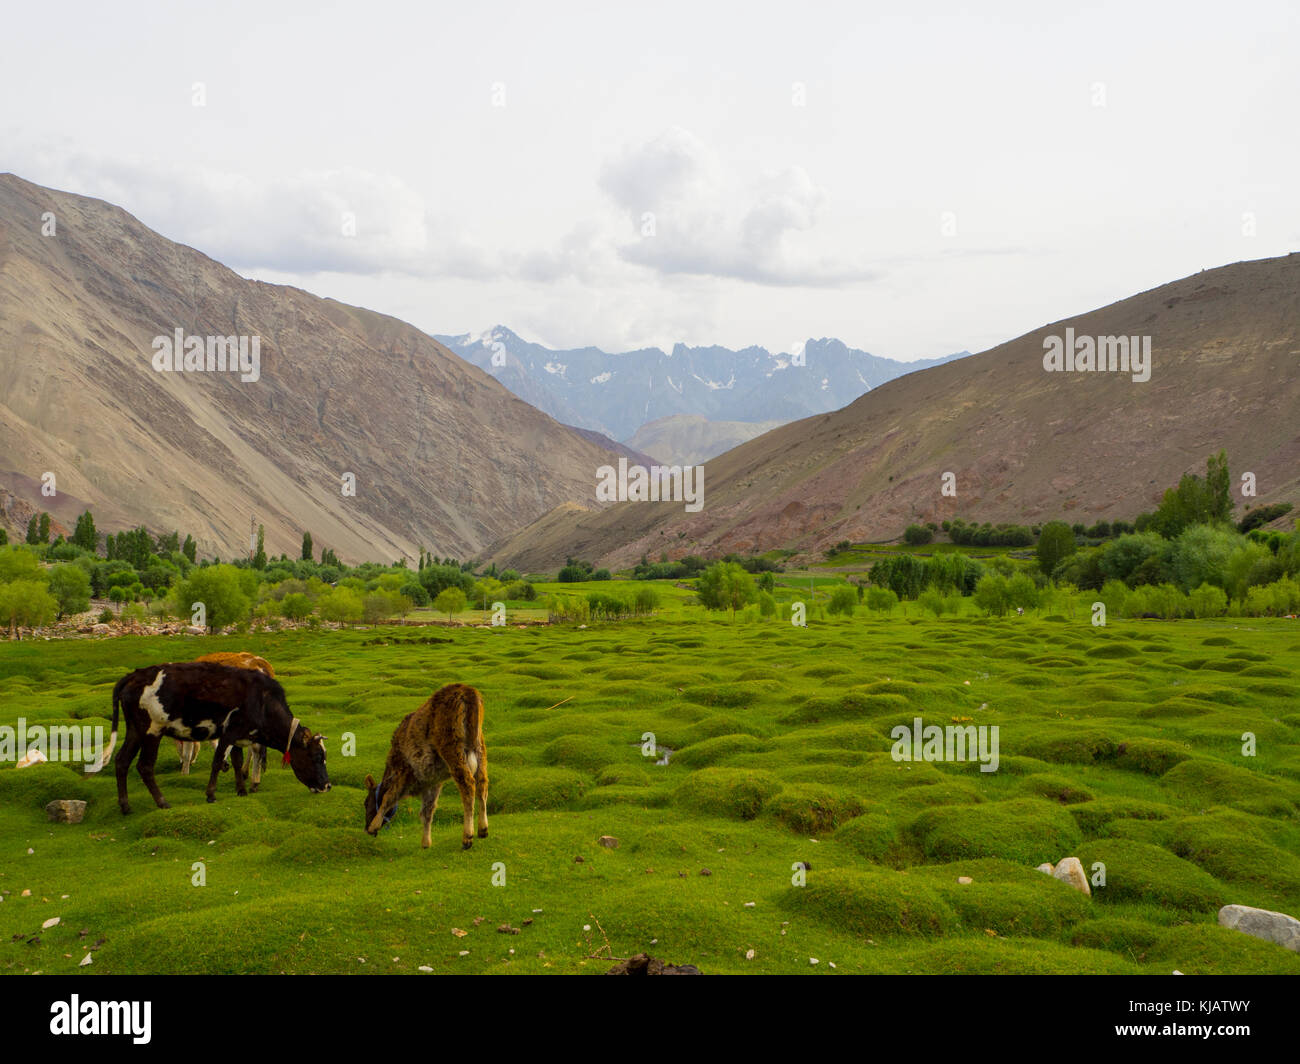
(242, 794)
(482, 833)
(164, 804)
(126, 810)
(466, 844)
(211, 798)
(254, 787)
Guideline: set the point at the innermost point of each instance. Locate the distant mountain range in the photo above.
(617, 393)
(1022, 441)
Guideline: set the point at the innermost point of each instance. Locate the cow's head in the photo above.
(375, 802)
(306, 756)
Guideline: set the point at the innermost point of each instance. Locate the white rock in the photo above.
(1070, 870)
(1046, 868)
(426, 968)
(1263, 923)
(964, 880)
(749, 904)
(32, 757)
(86, 960)
(1176, 972)
(51, 922)
(749, 954)
(813, 960)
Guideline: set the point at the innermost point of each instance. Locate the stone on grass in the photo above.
(1263, 923)
(66, 810)
(1046, 868)
(609, 842)
(1070, 871)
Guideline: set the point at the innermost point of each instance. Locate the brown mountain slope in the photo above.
(1025, 445)
(443, 455)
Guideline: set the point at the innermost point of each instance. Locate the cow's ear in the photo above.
(370, 781)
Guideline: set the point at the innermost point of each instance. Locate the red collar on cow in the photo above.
(287, 746)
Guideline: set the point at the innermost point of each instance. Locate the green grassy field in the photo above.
(1120, 745)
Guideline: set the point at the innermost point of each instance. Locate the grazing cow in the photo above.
(440, 741)
(199, 700)
(189, 752)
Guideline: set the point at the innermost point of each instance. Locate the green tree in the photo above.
(26, 603)
(726, 585)
(189, 548)
(917, 535)
(991, 594)
(449, 601)
(220, 589)
(844, 600)
(1218, 488)
(32, 526)
(306, 547)
(1055, 542)
(881, 599)
(295, 606)
(18, 563)
(85, 534)
(259, 556)
(70, 586)
(43, 528)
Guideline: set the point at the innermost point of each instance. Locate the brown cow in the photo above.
(189, 752)
(440, 741)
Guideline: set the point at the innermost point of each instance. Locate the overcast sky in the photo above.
(913, 184)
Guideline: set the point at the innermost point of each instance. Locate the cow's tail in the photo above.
(105, 754)
(469, 717)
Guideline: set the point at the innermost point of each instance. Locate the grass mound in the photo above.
(727, 792)
(1026, 830)
(1136, 871)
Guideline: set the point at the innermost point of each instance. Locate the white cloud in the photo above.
(706, 221)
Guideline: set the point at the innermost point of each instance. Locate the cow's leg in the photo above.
(237, 760)
(148, 755)
(256, 759)
(427, 808)
(481, 779)
(225, 765)
(218, 759)
(122, 765)
(465, 784)
(183, 750)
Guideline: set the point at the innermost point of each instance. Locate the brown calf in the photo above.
(189, 752)
(440, 741)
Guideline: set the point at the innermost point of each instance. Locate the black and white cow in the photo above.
(194, 700)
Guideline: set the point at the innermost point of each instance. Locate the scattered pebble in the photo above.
(749, 954)
(705, 872)
(749, 904)
(813, 960)
(479, 919)
(30, 850)
(425, 968)
(586, 927)
(579, 859)
(27, 894)
(464, 953)
(964, 879)
(51, 922)
(831, 963)
(459, 932)
(86, 960)
(537, 910)
(609, 842)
